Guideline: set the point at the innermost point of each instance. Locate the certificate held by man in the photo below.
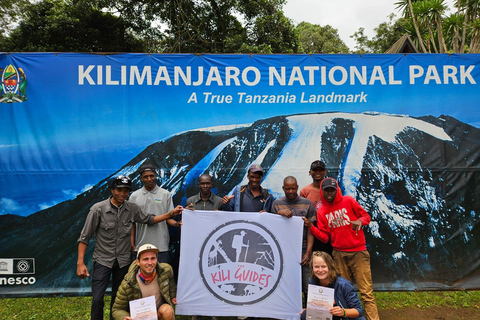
(319, 301)
(143, 309)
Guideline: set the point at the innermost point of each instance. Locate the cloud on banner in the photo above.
(240, 264)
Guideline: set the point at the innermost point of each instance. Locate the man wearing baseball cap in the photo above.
(250, 197)
(341, 219)
(312, 192)
(110, 221)
(147, 277)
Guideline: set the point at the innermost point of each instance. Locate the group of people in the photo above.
(333, 225)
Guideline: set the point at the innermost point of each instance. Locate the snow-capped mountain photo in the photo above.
(416, 177)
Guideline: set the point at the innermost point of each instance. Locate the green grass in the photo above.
(427, 299)
(78, 308)
(47, 308)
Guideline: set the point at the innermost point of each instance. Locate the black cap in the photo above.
(121, 182)
(317, 165)
(145, 167)
(329, 183)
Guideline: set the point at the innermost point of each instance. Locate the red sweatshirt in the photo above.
(333, 222)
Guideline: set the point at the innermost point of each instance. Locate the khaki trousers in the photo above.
(356, 266)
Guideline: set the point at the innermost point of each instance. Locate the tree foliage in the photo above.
(387, 33)
(429, 26)
(70, 26)
(438, 32)
(314, 38)
(10, 12)
(198, 26)
(187, 26)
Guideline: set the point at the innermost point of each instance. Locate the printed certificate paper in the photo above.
(319, 301)
(143, 309)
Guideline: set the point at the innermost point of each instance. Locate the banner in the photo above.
(240, 264)
(399, 132)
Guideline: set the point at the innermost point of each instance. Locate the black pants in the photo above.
(100, 279)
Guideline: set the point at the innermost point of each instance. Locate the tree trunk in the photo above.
(441, 38)
(474, 44)
(456, 36)
(415, 24)
(432, 39)
(464, 31)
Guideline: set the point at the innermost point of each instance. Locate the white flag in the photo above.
(240, 264)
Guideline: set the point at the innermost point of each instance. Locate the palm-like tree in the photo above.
(437, 8)
(410, 30)
(470, 10)
(453, 25)
(438, 31)
(475, 33)
(422, 12)
(463, 5)
(407, 7)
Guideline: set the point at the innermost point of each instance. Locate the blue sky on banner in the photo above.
(85, 108)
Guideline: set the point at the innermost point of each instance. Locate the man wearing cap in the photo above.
(111, 222)
(147, 277)
(294, 205)
(250, 197)
(157, 201)
(340, 219)
(205, 199)
(312, 191)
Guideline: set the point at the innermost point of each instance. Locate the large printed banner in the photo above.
(399, 132)
(240, 264)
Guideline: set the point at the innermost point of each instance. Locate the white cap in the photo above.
(145, 248)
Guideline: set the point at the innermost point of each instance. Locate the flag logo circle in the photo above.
(241, 262)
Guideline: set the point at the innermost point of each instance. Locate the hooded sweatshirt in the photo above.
(333, 223)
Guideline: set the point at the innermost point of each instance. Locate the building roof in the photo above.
(403, 45)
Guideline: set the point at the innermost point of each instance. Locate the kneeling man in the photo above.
(146, 277)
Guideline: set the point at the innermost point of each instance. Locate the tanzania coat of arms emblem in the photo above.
(14, 85)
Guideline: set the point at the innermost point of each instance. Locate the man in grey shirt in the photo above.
(294, 205)
(111, 222)
(157, 201)
(205, 199)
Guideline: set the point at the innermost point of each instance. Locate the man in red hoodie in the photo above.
(340, 219)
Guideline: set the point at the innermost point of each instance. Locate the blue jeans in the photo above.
(100, 279)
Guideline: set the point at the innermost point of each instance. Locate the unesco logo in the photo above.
(241, 262)
(17, 266)
(15, 271)
(23, 266)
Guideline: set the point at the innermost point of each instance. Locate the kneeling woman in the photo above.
(324, 273)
